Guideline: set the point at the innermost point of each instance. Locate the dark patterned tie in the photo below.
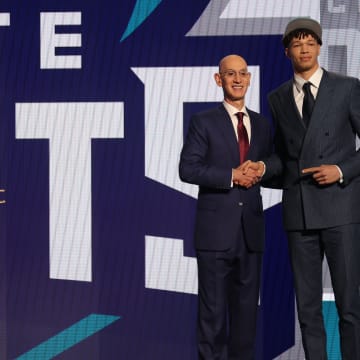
(308, 103)
(243, 138)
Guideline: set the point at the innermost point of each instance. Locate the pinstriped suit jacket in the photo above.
(329, 139)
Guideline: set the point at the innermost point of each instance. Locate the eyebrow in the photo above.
(244, 69)
(302, 39)
(302, 42)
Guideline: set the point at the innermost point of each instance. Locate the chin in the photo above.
(237, 98)
(305, 68)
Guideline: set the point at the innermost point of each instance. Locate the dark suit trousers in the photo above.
(341, 245)
(228, 301)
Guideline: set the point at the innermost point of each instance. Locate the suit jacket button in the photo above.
(320, 156)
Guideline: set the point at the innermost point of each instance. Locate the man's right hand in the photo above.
(248, 174)
(257, 167)
(245, 176)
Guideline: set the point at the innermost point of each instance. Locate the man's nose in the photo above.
(304, 48)
(237, 77)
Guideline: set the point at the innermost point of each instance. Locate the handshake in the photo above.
(248, 173)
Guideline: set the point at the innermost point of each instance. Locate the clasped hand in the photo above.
(248, 174)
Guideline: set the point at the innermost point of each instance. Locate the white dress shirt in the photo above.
(232, 111)
(314, 88)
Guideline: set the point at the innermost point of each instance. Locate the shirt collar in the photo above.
(314, 79)
(232, 110)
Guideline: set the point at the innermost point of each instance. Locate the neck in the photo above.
(239, 104)
(306, 74)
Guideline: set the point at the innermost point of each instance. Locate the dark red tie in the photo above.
(242, 137)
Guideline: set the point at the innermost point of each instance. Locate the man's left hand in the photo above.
(324, 174)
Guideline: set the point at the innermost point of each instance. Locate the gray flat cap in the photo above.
(304, 23)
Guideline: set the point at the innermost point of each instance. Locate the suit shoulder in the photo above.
(337, 76)
(206, 118)
(208, 113)
(284, 87)
(340, 78)
(343, 85)
(256, 115)
(259, 119)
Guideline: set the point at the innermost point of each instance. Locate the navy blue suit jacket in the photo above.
(209, 154)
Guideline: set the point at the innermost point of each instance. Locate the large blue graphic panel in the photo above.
(95, 100)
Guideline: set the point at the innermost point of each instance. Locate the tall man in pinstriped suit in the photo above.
(229, 229)
(320, 168)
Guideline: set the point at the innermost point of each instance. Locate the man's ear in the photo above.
(218, 80)
(287, 52)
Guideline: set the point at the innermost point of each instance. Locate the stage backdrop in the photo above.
(96, 248)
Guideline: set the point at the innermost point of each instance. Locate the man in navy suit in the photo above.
(229, 229)
(320, 167)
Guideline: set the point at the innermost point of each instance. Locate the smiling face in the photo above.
(303, 53)
(234, 78)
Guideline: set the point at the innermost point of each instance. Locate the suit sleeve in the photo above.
(274, 166)
(194, 167)
(350, 167)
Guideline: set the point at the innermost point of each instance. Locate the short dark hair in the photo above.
(299, 34)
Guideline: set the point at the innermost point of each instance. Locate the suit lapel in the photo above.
(255, 132)
(323, 99)
(287, 116)
(288, 103)
(226, 128)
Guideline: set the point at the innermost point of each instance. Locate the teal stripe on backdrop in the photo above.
(332, 330)
(142, 10)
(69, 337)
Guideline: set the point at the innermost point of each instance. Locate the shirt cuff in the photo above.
(341, 180)
(265, 168)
